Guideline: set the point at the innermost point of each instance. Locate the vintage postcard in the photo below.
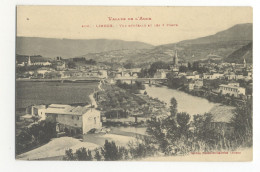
(96, 83)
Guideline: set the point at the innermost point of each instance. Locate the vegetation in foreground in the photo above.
(34, 136)
(177, 135)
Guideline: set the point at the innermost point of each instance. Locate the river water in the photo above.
(185, 102)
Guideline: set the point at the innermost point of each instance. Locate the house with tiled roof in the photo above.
(75, 119)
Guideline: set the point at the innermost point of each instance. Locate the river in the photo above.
(185, 102)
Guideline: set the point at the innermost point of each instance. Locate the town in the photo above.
(122, 97)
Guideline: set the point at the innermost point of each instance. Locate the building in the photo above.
(244, 63)
(232, 89)
(160, 74)
(213, 76)
(193, 76)
(175, 65)
(103, 73)
(37, 61)
(43, 71)
(75, 119)
(175, 59)
(197, 84)
(231, 76)
(60, 65)
(34, 111)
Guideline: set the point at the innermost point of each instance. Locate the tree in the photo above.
(164, 132)
(157, 65)
(183, 120)
(129, 65)
(143, 73)
(89, 156)
(202, 129)
(71, 64)
(243, 123)
(69, 155)
(189, 66)
(173, 107)
(195, 65)
(183, 69)
(175, 82)
(81, 154)
(97, 155)
(110, 151)
(91, 62)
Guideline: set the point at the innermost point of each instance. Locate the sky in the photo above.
(166, 24)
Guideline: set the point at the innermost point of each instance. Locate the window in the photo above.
(78, 118)
(72, 117)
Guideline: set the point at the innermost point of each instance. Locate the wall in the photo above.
(70, 120)
(91, 119)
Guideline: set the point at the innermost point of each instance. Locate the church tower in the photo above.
(175, 58)
(244, 63)
(29, 61)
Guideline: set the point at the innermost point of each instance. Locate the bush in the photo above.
(97, 155)
(36, 135)
(69, 155)
(110, 151)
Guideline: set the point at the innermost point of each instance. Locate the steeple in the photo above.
(244, 62)
(29, 61)
(175, 58)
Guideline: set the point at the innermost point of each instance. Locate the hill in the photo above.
(68, 48)
(239, 32)
(219, 45)
(239, 55)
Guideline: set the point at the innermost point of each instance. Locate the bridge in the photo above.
(87, 79)
(143, 80)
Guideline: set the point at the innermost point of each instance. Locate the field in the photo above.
(29, 93)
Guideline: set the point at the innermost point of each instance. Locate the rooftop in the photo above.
(67, 109)
(229, 86)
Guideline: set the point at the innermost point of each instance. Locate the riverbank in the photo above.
(191, 104)
(122, 107)
(185, 102)
(75, 79)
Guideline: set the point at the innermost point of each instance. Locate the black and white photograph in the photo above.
(128, 83)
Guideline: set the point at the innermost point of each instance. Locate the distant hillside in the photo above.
(239, 32)
(239, 55)
(68, 48)
(220, 45)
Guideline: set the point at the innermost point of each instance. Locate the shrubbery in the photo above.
(176, 134)
(36, 135)
(142, 148)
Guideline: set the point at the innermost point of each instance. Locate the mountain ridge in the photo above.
(221, 45)
(68, 48)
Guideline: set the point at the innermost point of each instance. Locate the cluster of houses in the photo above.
(32, 61)
(58, 68)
